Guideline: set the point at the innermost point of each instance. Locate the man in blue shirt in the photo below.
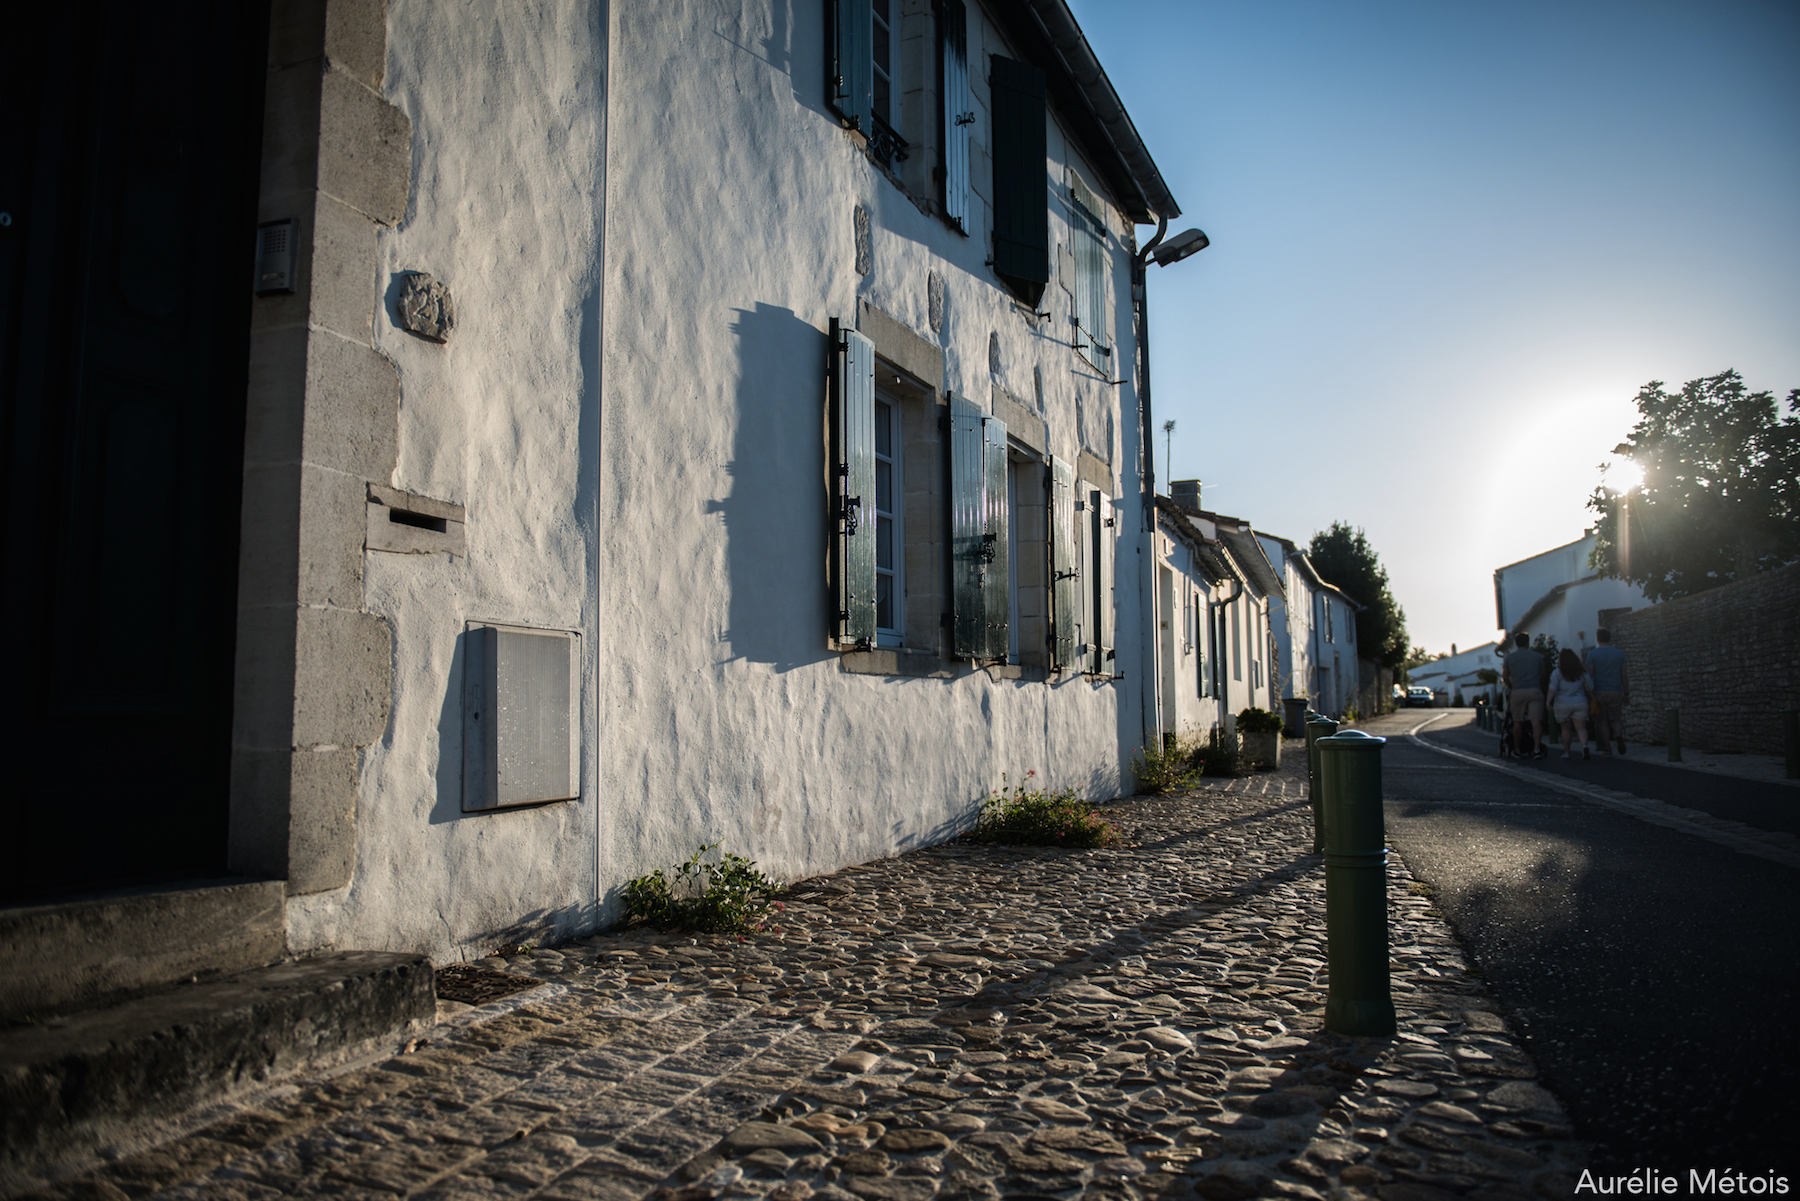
(1522, 671)
(1612, 691)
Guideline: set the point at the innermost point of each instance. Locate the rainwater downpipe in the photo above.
(1140, 302)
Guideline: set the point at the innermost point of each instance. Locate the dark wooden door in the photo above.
(128, 180)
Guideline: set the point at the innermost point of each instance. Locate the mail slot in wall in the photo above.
(521, 716)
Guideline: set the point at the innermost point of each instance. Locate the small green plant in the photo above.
(726, 896)
(1350, 715)
(1218, 755)
(1258, 721)
(1167, 769)
(1024, 815)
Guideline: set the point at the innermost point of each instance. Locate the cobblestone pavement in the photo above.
(1142, 1021)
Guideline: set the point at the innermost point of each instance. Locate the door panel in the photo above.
(128, 170)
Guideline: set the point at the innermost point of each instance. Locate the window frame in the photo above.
(893, 519)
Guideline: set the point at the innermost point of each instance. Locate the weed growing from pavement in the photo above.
(1026, 815)
(729, 895)
(1169, 768)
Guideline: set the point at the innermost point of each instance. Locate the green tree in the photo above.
(1720, 498)
(1344, 557)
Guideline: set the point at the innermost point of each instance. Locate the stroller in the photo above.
(1509, 728)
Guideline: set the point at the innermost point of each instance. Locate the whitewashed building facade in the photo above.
(652, 425)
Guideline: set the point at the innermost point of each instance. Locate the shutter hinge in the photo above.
(990, 545)
(1112, 520)
(852, 508)
(965, 118)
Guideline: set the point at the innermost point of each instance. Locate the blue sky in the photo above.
(1450, 242)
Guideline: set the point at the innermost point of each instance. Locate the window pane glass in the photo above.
(884, 485)
(884, 601)
(884, 428)
(884, 545)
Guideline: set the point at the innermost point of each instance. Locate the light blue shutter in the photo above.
(996, 588)
(1090, 284)
(853, 462)
(1064, 568)
(959, 109)
(850, 74)
(1100, 512)
(968, 529)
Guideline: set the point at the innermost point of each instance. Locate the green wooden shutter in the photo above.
(853, 463)
(958, 109)
(996, 588)
(1064, 567)
(850, 65)
(1021, 186)
(1100, 603)
(968, 529)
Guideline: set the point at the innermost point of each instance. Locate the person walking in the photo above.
(1612, 692)
(1522, 673)
(1569, 692)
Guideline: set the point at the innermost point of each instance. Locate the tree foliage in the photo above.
(1344, 557)
(1720, 498)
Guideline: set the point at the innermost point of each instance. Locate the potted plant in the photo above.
(1259, 731)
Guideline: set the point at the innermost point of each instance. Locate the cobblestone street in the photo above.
(961, 1021)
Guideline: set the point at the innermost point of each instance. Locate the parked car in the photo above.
(1418, 698)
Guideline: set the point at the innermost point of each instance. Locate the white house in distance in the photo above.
(1213, 648)
(1315, 634)
(1557, 594)
(1458, 674)
(655, 425)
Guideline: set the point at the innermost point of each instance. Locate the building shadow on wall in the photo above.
(775, 515)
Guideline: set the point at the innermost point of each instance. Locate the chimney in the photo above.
(1185, 493)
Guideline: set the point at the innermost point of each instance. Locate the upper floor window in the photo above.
(1087, 238)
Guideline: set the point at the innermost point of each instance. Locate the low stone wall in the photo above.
(1728, 659)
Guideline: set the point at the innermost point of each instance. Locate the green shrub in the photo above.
(728, 896)
(1167, 769)
(1023, 816)
(1258, 721)
(1218, 754)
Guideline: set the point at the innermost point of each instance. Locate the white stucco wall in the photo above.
(508, 175)
(723, 713)
(632, 410)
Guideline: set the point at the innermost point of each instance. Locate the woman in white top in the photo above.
(1569, 693)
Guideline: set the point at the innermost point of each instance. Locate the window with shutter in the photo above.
(979, 569)
(1087, 236)
(1065, 569)
(1020, 193)
(958, 110)
(850, 73)
(890, 529)
(853, 556)
(996, 598)
(1100, 602)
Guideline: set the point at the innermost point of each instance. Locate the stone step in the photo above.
(86, 1079)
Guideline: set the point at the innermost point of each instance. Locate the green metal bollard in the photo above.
(1790, 737)
(1317, 726)
(1360, 1001)
(1674, 718)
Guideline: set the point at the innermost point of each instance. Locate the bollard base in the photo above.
(1370, 1017)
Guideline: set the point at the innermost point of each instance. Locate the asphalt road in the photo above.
(1654, 975)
